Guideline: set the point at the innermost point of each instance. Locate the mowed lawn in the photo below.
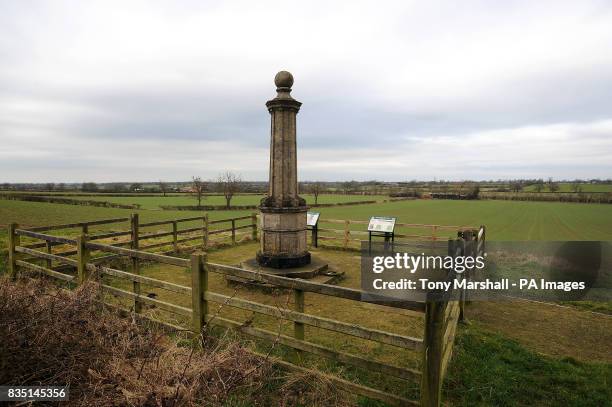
(154, 202)
(505, 220)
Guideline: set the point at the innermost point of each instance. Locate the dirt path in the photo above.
(549, 329)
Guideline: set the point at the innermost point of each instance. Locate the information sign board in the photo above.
(312, 218)
(381, 224)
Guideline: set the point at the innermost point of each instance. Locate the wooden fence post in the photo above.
(199, 286)
(347, 232)
(13, 241)
(205, 232)
(83, 256)
(175, 236)
(481, 241)
(85, 228)
(50, 251)
(298, 327)
(466, 246)
(233, 231)
(431, 379)
(254, 226)
(134, 222)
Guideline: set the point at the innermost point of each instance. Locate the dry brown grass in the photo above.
(55, 337)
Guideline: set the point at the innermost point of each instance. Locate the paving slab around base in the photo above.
(317, 271)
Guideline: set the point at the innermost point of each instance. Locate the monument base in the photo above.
(317, 271)
(307, 270)
(282, 261)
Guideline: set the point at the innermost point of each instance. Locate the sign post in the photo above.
(312, 222)
(381, 226)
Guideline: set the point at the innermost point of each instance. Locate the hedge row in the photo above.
(580, 197)
(206, 207)
(67, 201)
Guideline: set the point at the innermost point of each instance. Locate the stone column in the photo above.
(283, 212)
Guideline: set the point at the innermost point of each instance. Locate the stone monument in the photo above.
(283, 246)
(283, 212)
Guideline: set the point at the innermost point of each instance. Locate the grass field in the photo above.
(505, 220)
(154, 202)
(489, 369)
(38, 213)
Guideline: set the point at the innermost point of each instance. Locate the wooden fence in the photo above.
(347, 234)
(210, 232)
(440, 317)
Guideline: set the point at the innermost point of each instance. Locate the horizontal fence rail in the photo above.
(353, 232)
(78, 224)
(151, 239)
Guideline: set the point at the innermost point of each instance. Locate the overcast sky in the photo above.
(149, 90)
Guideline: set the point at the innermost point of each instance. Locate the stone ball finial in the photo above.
(283, 79)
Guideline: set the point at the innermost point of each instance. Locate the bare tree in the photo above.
(346, 187)
(198, 187)
(163, 187)
(229, 184)
(539, 185)
(516, 186)
(89, 187)
(474, 191)
(576, 187)
(552, 186)
(315, 190)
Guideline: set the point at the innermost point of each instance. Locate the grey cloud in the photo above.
(422, 80)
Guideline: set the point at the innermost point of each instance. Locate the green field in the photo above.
(38, 213)
(505, 220)
(154, 202)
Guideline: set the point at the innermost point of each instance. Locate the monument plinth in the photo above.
(283, 212)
